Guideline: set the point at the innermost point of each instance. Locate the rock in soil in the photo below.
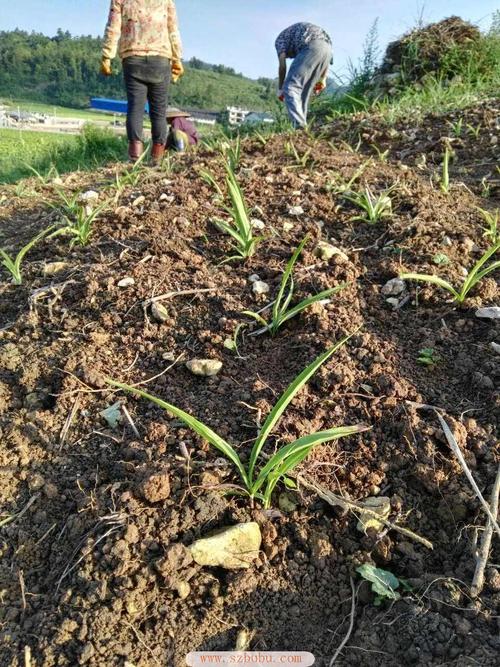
(379, 504)
(325, 251)
(159, 312)
(491, 313)
(233, 548)
(394, 287)
(204, 367)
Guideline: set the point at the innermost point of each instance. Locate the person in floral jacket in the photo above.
(145, 34)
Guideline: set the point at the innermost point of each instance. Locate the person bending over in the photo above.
(182, 132)
(145, 33)
(311, 49)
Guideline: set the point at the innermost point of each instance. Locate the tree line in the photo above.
(64, 70)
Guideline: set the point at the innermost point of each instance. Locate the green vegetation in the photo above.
(13, 264)
(492, 220)
(428, 357)
(65, 70)
(260, 485)
(445, 173)
(23, 152)
(384, 583)
(437, 74)
(376, 207)
(475, 275)
(239, 227)
(281, 312)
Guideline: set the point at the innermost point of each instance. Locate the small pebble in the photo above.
(260, 287)
(126, 282)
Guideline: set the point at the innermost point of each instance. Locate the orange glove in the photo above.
(319, 87)
(177, 70)
(106, 67)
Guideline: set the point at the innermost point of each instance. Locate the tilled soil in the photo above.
(86, 571)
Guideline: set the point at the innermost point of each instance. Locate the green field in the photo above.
(51, 110)
(21, 151)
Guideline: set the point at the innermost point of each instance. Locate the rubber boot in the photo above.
(135, 150)
(157, 154)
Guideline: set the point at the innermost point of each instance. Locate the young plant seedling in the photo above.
(282, 312)
(445, 172)
(375, 207)
(338, 187)
(384, 583)
(301, 161)
(475, 275)
(13, 264)
(474, 130)
(232, 153)
(492, 220)
(80, 225)
(240, 227)
(382, 155)
(260, 484)
(457, 127)
(428, 357)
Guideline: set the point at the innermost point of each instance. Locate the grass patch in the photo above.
(22, 151)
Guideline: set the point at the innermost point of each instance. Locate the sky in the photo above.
(241, 33)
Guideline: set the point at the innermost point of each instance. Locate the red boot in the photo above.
(157, 154)
(135, 150)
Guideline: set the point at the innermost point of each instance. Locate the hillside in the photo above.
(65, 70)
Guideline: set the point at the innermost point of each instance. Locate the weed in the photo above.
(485, 188)
(232, 343)
(428, 357)
(492, 219)
(375, 207)
(281, 312)
(441, 259)
(384, 583)
(13, 264)
(475, 275)
(261, 484)
(240, 228)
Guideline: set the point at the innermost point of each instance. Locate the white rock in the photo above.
(258, 224)
(233, 548)
(295, 211)
(169, 199)
(89, 196)
(204, 367)
(382, 506)
(491, 313)
(394, 287)
(393, 301)
(52, 268)
(464, 271)
(495, 347)
(159, 312)
(126, 282)
(140, 200)
(288, 226)
(260, 287)
(447, 241)
(254, 278)
(325, 251)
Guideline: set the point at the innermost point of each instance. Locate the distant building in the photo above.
(258, 117)
(203, 117)
(236, 115)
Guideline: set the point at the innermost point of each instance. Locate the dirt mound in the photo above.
(95, 518)
(422, 52)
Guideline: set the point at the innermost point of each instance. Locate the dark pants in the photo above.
(147, 78)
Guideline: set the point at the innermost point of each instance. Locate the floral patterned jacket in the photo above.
(142, 28)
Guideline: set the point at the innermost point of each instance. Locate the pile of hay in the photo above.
(423, 52)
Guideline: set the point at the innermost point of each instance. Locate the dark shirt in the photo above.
(295, 38)
(185, 125)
